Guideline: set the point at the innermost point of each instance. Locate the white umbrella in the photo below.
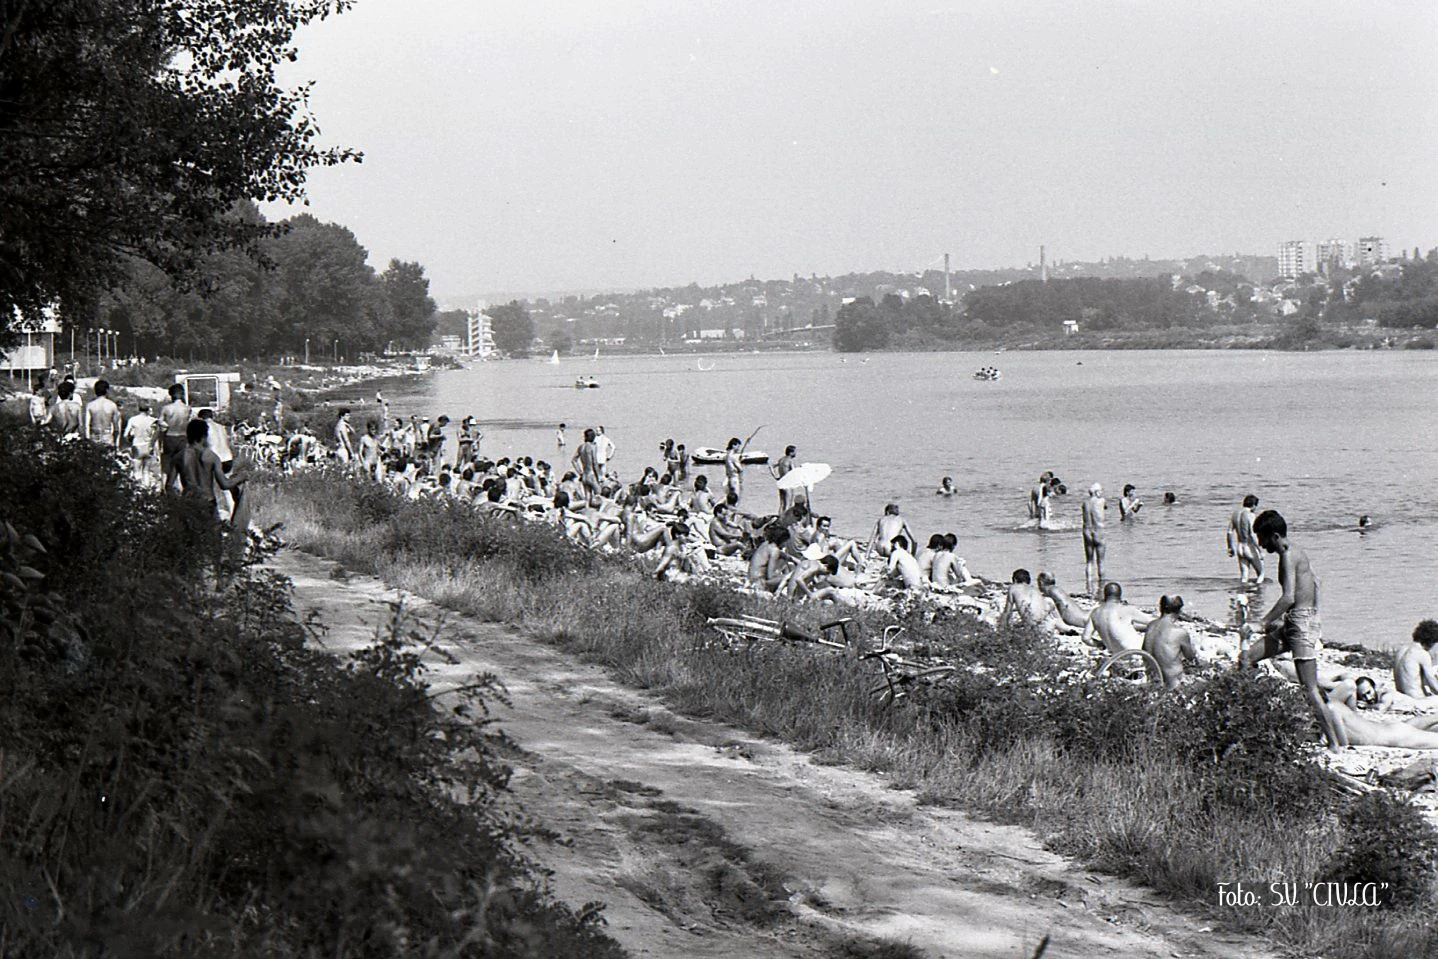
(805, 475)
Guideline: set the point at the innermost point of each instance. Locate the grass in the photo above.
(1213, 794)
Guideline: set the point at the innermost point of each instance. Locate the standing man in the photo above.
(1095, 509)
(344, 437)
(102, 417)
(734, 468)
(41, 403)
(586, 462)
(174, 419)
(1243, 544)
(1292, 624)
(143, 434)
(1130, 504)
(603, 451)
(559, 440)
(779, 470)
(67, 412)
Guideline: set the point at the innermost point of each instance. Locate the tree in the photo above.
(412, 310)
(129, 128)
(512, 327)
(859, 326)
(326, 291)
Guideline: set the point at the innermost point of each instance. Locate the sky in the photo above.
(548, 146)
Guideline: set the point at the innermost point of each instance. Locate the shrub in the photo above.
(1246, 732)
(1388, 842)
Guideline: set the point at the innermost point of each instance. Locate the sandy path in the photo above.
(694, 834)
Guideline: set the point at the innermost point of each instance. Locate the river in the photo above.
(1322, 437)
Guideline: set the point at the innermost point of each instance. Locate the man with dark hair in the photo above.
(200, 471)
(1413, 672)
(66, 415)
(1243, 544)
(1168, 642)
(102, 417)
(1292, 624)
(175, 418)
(586, 462)
(779, 470)
(1025, 601)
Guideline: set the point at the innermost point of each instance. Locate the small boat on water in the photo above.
(586, 383)
(712, 455)
(554, 360)
(988, 373)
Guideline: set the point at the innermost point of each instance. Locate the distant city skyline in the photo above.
(571, 146)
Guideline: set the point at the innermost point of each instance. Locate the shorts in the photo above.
(172, 445)
(1301, 633)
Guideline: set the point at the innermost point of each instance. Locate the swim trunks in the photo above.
(1301, 633)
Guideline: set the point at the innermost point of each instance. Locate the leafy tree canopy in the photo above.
(512, 327)
(130, 128)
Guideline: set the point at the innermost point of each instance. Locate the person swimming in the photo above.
(946, 487)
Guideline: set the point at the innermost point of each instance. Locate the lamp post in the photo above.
(100, 346)
(307, 351)
(337, 351)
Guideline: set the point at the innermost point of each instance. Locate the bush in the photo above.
(1246, 732)
(1390, 843)
(185, 775)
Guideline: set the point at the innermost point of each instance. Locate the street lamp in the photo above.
(307, 351)
(100, 345)
(337, 351)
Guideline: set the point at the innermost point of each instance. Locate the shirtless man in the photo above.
(1067, 609)
(949, 568)
(1114, 625)
(1037, 493)
(344, 437)
(890, 525)
(702, 500)
(1168, 642)
(1292, 624)
(1243, 544)
(200, 471)
(1095, 509)
(174, 419)
(727, 537)
(779, 470)
(1129, 504)
(946, 487)
(767, 564)
(102, 417)
(1413, 673)
(66, 415)
(1024, 601)
(734, 468)
(1352, 729)
(586, 462)
(902, 564)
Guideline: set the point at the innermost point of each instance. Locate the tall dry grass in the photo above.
(1175, 812)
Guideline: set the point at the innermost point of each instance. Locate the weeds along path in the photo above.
(704, 841)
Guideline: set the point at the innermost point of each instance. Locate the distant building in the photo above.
(1071, 327)
(1333, 255)
(480, 336)
(35, 353)
(1291, 261)
(449, 344)
(1371, 250)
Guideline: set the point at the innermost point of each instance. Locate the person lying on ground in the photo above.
(1353, 729)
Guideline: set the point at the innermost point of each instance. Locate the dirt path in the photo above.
(704, 841)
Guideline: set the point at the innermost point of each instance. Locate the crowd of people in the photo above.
(671, 518)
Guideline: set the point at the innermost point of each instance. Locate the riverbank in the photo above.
(1186, 793)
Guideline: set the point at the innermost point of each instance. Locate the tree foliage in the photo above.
(131, 128)
(512, 326)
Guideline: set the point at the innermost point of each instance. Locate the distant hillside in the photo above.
(782, 310)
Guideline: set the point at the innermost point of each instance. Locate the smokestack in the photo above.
(1043, 266)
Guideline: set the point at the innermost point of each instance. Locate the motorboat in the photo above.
(586, 383)
(988, 373)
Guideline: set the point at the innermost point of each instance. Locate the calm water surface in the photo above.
(1322, 437)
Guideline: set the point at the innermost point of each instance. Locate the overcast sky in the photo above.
(544, 146)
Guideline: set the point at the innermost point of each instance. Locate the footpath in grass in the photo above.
(1188, 793)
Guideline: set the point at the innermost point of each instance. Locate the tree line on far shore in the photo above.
(1402, 296)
